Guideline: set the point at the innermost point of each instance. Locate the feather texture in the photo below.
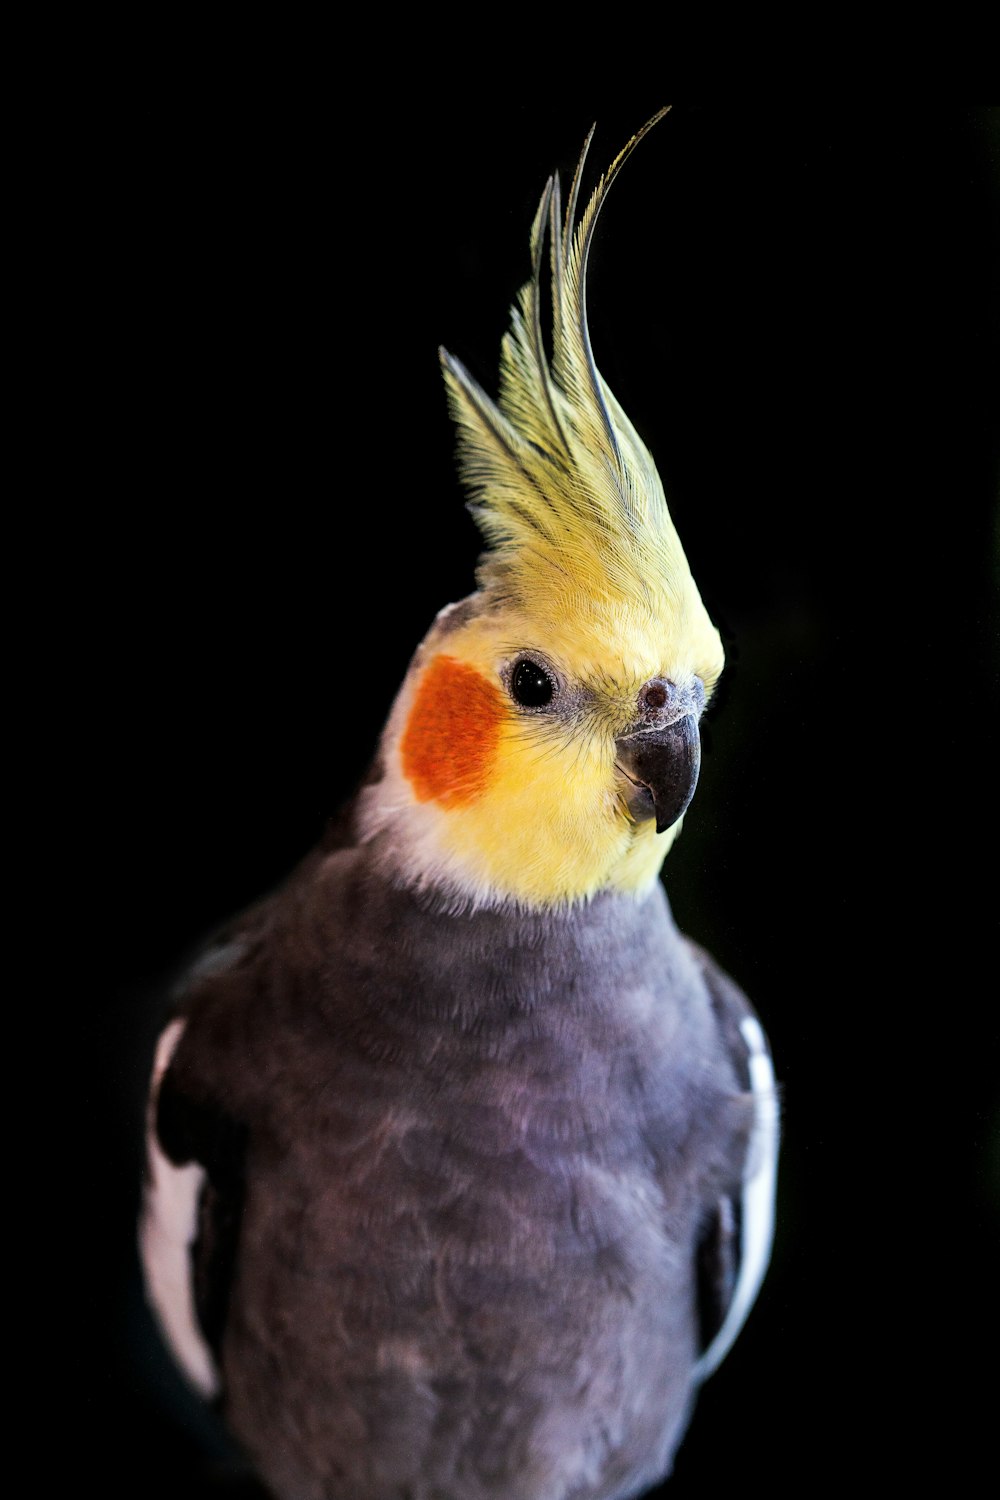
(565, 492)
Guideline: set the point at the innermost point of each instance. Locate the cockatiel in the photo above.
(461, 1157)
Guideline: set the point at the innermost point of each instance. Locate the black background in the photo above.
(797, 304)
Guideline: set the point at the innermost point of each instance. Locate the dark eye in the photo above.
(531, 685)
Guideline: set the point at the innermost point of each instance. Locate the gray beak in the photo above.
(662, 765)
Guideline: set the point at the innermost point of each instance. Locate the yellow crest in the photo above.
(563, 489)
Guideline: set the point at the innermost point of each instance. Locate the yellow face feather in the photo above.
(487, 797)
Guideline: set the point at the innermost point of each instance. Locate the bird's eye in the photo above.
(531, 685)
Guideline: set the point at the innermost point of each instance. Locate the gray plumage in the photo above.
(476, 1155)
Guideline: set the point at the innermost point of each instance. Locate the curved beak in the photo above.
(662, 766)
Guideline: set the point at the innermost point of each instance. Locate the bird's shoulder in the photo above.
(738, 1231)
(735, 1017)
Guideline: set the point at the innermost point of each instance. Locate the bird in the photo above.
(461, 1157)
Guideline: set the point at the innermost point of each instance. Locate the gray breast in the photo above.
(479, 1153)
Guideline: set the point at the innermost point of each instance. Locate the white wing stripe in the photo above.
(759, 1184)
(168, 1229)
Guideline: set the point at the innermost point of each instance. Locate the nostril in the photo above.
(653, 696)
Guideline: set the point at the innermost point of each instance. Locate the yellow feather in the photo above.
(563, 489)
(583, 567)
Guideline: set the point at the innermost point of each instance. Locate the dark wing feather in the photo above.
(193, 1198)
(193, 1131)
(735, 1245)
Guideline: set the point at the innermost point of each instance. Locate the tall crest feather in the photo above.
(562, 488)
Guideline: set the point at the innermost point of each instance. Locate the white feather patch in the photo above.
(759, 1184)
(167, 1230)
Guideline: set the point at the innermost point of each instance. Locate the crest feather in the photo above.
(562, 487)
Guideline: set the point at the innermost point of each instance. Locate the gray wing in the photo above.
(197, 1127)
(192, 1201)
(736, 1246)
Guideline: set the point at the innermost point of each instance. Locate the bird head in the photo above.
(544, 745)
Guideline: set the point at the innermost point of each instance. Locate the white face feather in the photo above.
(167, 1230)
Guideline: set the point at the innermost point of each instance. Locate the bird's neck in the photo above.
(554, 858)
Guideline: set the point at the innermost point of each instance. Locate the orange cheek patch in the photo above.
(451, 735)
